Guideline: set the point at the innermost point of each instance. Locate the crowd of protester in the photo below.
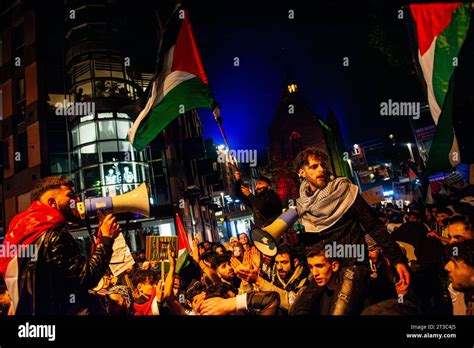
(234, 278)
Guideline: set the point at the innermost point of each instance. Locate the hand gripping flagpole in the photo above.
(218, 118)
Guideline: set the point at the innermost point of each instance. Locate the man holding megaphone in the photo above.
(56, 277)
(335, 215)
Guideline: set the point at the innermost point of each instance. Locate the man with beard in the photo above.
(459, 230)
(221, 264)
(289, 279)
(56, 279)
(265, 204)
(334, 214)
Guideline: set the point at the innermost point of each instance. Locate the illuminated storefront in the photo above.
(105, 163)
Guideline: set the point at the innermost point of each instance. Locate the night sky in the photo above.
(309, 51)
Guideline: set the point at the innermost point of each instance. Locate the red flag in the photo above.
(25, 228)
(183, 242)
(412, 175)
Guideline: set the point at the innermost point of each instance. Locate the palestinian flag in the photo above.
(441, 30)
(181, 86)
(19, 252)
(411, 175)
(183, 246)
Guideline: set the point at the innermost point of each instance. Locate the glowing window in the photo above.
(107, 130)
(87, 133)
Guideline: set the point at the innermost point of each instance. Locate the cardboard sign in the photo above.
(122, 258)
(157, 247)
(374, 195)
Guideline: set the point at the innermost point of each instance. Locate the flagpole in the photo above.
(218, 118)
(162, 31)
(413, 51)
(412, 38)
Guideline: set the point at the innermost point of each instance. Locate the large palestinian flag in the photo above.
(181, 86)
(441, 30)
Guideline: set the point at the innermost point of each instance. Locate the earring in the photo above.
(52, 202)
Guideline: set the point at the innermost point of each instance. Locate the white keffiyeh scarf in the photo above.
(325, 207)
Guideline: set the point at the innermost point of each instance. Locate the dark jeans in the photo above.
(348, 299)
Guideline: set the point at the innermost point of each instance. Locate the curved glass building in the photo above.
(103, 161)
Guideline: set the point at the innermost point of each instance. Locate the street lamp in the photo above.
(411, 152)
(392, 138)
(354, 174)
(349, 162)
(223, 202)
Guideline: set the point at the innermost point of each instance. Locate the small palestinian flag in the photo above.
(441, 30)
(181, 86)
(183, 246)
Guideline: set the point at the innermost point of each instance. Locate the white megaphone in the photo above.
(136, 201)
(266, 239)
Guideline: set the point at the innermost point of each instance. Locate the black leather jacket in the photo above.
(263, 302)
(266, 207)
(351, 229)
(58, 282)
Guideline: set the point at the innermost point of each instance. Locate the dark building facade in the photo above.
(69, 83)
(294, 128)
(30, 68)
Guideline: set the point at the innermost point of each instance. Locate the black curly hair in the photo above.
(144, 276)
(301, 159)
(218, 290)
(49, 183)
(463, 251)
